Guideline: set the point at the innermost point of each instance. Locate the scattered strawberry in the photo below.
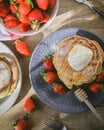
(59, 88)
(12, 23)
(22, 124)
(94, 87)
(100, 77)
(49, 77)
(47, 62)
(29, 106)
(52, 3)
(22, 47)
(42, 4)
(35, 15)
(24, 27)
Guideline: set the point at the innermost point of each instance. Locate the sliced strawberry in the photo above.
(29, 106)
(22, 47)
(24, 27)
(35, 15)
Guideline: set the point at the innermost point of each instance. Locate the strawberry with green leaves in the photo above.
(59, 88)
(47, 62)
(22, 47)
(49, 77)
(29, 106)
(22, 124)
(35, 17)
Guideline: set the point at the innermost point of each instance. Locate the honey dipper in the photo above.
(83, 97)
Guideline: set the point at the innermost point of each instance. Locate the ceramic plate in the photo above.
(66, 103)
(8, 101)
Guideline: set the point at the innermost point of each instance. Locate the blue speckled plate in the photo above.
(66, 103)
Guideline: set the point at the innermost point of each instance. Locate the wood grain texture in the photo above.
(70, 14)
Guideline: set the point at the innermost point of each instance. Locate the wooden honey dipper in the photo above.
(82, 96)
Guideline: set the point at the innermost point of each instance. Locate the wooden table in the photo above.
(70, 14)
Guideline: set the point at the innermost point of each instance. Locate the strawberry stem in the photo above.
(35, 25)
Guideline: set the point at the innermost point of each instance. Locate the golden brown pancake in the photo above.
(68, 73)
(8, 75)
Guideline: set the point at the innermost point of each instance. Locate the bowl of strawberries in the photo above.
(27, 17)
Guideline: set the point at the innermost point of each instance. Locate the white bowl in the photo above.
(32, 32)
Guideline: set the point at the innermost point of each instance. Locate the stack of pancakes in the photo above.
(78, 60)
(8, 75)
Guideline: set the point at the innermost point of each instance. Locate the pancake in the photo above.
(78, 60)
(8, 75)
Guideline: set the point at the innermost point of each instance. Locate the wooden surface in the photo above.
(70, 14)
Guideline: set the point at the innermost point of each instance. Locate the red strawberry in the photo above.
(1, 6)
(47, 62)
(35, 15)
(23, 18)
(49, 77)
(95, 88)
(22, 47)
(52, 3)
(18, 1)
(100, 77)
(29, 106)
(22, 124)
(24, 8)
(12, 23)
(42, 4)
(4, 10)
(13, 8)
(9, 17)
(46, 17)
(24, 27)
(59, 88)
